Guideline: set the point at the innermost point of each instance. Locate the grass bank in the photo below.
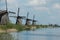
(13, 27)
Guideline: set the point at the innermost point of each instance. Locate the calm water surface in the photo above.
(39, 34)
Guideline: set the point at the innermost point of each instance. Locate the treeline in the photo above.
(49, 25)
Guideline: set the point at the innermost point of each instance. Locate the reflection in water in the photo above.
(6, 36)
(40, 34)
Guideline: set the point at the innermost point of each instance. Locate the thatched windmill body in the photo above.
(3, 17)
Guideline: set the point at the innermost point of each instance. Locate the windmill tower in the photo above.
(4, 19)
(18, 18)
(34, 21)
(28, 20)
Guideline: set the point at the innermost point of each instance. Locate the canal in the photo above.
(39, 34)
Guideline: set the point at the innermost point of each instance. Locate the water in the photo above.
(40, 34)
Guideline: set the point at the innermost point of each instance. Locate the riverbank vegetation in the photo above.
(11, 26)
(25, 27)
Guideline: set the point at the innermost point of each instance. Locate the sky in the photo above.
(45, 11)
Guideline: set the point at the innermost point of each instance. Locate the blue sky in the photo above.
(46, 11)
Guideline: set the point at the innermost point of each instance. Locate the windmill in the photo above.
(28, 20)
(34, 21)
(2, 13)
(4, 18)
(19, 18)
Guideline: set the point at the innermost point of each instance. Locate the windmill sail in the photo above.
(17, 20)
(6, 5)
(34, 21)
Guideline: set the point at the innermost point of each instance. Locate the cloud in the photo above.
(13, 5)
(53, 17)
(38, 2)
(41, 8)
(56, 9)
(13, 2)
(57, 6)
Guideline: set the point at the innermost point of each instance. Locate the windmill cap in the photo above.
(4, 11)
(34, 21)
(29, 19)
(21, 17)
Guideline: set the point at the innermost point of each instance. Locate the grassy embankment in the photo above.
(11, 26)
(21, 27)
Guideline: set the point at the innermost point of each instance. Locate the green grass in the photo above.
(21, 27)
(11, 26)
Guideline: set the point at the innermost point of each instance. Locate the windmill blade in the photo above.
(6, 5)
(18, 12)
(13, 16)
(27, 19)
(11, 12)
(34, 18)
(27, 14)
(7, 8)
